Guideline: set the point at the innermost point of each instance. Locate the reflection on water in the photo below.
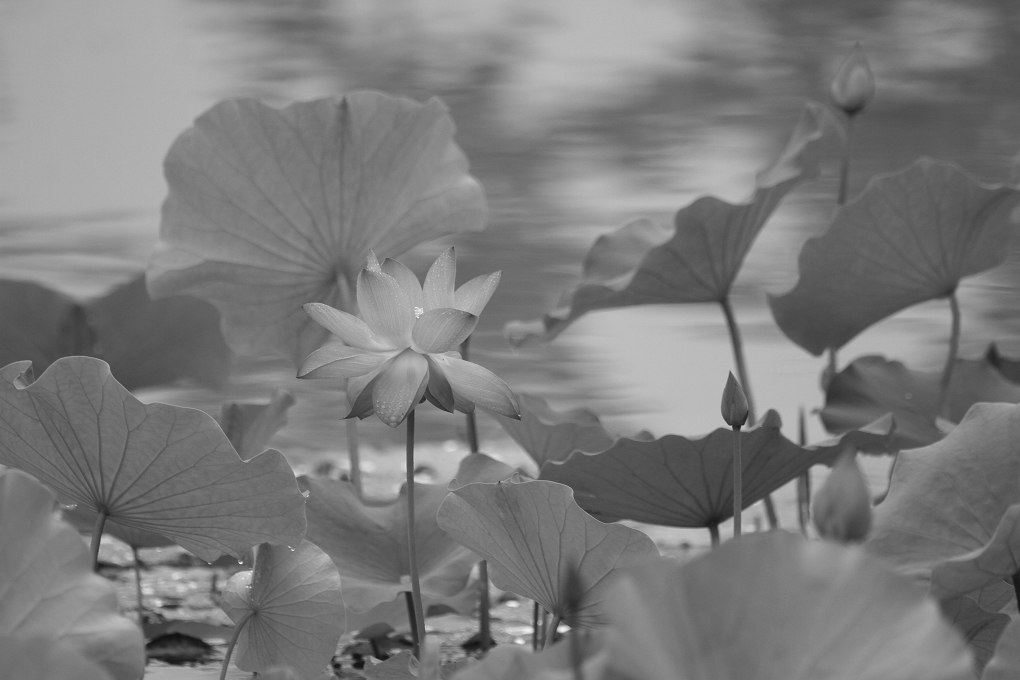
(576, 116)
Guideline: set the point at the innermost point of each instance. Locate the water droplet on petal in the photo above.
(418, 311)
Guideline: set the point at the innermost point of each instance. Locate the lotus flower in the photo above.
(403, 347)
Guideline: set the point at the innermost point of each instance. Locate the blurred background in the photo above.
(576, 115)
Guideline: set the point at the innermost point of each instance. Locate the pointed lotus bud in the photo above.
(853, 85)
(734, 403)
(841, 510)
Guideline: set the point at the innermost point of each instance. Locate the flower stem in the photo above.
(412, 546)
(354, 456)
(233, 641)
(138, 585)
(713, 531)
(954, 348)
(97, 537)
(844, 166)
(1016, 587)
(745, 383)
(738, 491)
(412, 620)
(804, 481)
(472, 425)
(484, 617)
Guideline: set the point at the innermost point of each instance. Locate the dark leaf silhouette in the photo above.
(1005, 663)
(980, 629)
(872, 386)
(145, 342)
(688, 482)
(161, 468)
(696, 261)
(910, 236)
(250, 426)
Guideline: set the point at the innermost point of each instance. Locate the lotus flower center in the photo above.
(418, 311)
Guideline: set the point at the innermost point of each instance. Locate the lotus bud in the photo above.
(734, 403)
(841, 510)
(853, 85)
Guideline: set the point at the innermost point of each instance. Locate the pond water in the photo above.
(576, 116)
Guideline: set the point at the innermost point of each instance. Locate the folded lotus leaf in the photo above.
(688, 482)
(478, 467)
(910, 236)
(996, 560)
(145, 342)
(1005, 663)
(871, 386)
(776, 606)
(272, 208)
(698, 260)
(367, 541)
(161, 468)
(537, 539)
(249, 427)
(292, 609)
(548, 435)
(949, 498)
(980, 629)
(40, 658)
(48, 589)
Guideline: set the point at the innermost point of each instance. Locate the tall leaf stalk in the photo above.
(97, 537)
(233, 641)
(418, 625)
(954, 349)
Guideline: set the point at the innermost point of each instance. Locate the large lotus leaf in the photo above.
(1005, 663)
(293, 606)
(48, 589)
(272, 208)
(145, 342)
(872, 386)
(156, 467)
(688, 482)
(775, 606)
(980, 629)
(367, 542)
(249, 427)
(949, 498)
(42, 659)
(535, 538)
(84, 520)
(998, 559)
(699, 258)
(548, 435)
(910, 236)
(556, 662)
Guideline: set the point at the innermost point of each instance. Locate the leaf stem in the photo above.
(472, 425)
(138, 585)
(412, 620)
(804, 481)
(484, 617)
(97, 537)
(233, 641)
(534, 627)
(738, 491)
(354, 456)
(412, 546)
(1016, 586)
(550, 632)
(954, 348)
(713, 531)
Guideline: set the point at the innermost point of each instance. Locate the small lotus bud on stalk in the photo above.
(853, 85)
(734, 403)
(841, 510)
(734, 412)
